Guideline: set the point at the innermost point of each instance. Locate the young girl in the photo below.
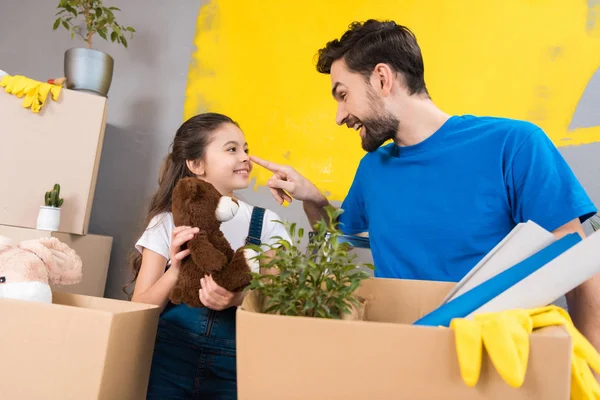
(194, 355)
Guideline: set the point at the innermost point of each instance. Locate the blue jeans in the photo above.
(194, 355)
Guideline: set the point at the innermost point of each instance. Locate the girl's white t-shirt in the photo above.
(157, 236)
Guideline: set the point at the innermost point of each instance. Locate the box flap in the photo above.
(403, 301)
(388, 300)
(98, 303)
(132, 337)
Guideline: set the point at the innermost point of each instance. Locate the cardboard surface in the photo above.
(94, 250)
(60, 144)
(383, 358)
(77, 348)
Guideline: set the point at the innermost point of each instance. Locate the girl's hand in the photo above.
(179, 236)
(217, 298)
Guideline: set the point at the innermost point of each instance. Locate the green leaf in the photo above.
(113, 36)
(66, 25)
(114, 8)
(124, 41)
(98, 12)
(56, 24)
(71, 10)
(102, 33)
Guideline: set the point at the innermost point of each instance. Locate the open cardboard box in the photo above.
(385, 357)
(77, 348)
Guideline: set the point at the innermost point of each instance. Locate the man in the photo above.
(447, 188)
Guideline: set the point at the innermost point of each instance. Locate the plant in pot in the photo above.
(49, 214)
(320, 281)
(89, 69)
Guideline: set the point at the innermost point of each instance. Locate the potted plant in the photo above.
(85, 68)
(49, 214)
(320, 281)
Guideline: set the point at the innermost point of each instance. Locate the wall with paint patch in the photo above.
(257, 63)
(544, 68)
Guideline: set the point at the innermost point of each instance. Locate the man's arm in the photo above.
(315, 210)
(287, 184)
(583, 301)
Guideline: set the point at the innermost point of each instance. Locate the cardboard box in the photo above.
(94, 250)
(281, 357)
(60, 144)
(77, 348)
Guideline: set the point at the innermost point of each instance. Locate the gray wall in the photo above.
(145, 104)
(146, 107)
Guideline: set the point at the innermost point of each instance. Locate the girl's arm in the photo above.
(153, 284)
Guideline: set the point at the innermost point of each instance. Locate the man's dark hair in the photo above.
(364, 45)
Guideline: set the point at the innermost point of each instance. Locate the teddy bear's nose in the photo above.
(2, 279)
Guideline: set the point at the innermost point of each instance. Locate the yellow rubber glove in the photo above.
(505, 336)
(584, 358)
(35, 92)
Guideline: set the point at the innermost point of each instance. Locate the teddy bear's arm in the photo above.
(236, 275)
(205, 254)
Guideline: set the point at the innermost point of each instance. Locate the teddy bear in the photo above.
(198, 203)
(28, 269)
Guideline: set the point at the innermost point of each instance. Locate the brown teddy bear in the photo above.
(197, 203)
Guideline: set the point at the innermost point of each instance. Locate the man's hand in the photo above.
(217, 298)
(286, 183)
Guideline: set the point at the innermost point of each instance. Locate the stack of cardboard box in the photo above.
(82, 346)
(60, 144)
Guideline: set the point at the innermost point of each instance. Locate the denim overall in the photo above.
(194, 354)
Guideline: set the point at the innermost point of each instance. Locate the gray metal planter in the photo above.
(88, 70)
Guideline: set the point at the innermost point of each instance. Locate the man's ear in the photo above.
(383, 78)
(196, 166)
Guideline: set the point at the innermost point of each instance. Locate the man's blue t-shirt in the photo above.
(433, 210)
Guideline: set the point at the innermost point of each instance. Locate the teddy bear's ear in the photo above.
(63, 263)
(184, 190)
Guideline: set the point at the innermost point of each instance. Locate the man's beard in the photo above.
(378, 129)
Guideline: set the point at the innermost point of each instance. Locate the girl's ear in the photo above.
(196, 166)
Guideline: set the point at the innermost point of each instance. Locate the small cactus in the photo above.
(52, 198)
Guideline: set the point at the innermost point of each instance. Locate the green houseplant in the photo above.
(320, 281)
(595, 222)
(49, 214)
(85, 68)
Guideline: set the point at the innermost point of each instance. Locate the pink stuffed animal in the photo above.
(28, 269)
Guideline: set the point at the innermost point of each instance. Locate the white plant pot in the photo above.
(48, 218)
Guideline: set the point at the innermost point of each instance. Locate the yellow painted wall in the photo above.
(254, 60)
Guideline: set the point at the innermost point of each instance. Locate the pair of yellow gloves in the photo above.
(505, 336)
(35, 92)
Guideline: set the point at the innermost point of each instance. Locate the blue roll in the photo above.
(470, 301)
